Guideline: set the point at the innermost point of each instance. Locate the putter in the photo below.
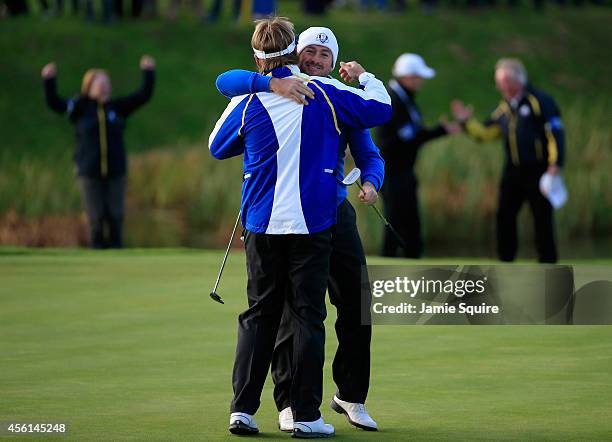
(214, 294)
(353, 177)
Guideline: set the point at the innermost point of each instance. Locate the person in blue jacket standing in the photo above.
(289, 204)
(318, 53)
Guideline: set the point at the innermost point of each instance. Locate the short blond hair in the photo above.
(273, 35)
(88, 79)
(515, 67)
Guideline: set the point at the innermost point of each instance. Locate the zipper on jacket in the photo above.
(512, 138)
(103, 140)
(539, 151)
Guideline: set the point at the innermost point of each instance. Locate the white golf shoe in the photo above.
(242, 424)
(285, 420)
(312, 430)
(355, 413)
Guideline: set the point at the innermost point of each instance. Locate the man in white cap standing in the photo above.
(318, 53)
(400, 140)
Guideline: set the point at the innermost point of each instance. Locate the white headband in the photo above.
(262, 54)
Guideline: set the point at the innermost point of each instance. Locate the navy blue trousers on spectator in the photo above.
(103, 199)
(520, 184)
(400, 193)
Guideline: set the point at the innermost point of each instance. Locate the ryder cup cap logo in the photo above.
(323, 38)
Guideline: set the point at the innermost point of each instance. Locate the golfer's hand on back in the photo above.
(49, 71)
(293, 89)
(350, 71)
(368, 194)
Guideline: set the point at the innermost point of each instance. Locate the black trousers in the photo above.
(351, 366)
(104, 201)
(289, 270)
(520, 184)
(400, 192)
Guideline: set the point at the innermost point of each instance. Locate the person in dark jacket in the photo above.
(400, 141)
(530, 124)
(100, 151)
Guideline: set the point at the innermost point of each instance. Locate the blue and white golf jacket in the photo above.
(290, 150)
(365, 153)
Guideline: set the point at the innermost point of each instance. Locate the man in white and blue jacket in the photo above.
(318, 53)
(289, 203)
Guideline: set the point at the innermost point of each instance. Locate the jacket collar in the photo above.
(284, 71)
(404, 94)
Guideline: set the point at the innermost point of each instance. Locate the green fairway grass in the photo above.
(128, 346)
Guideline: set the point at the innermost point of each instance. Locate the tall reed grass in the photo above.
(192, 199)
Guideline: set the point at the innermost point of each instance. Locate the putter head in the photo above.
(216, 297)
(351, 177)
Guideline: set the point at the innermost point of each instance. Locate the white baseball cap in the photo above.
(413, 65)
(320, 36)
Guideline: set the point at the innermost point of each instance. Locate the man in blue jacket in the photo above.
(318, 52)
(289, 203)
